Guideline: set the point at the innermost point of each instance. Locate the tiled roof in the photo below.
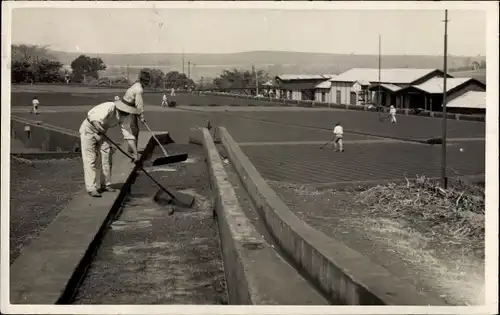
(397, 75)
(324, 85)
(390, 87)
(297, 86)
(290, 77)
(470, 99)
(435, 85)
(362, 82)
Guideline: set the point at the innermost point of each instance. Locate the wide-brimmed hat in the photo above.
(126, 107)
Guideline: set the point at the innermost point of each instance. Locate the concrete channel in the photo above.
(239, 244)
(126, 249)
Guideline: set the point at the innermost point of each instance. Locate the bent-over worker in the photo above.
(93, 144)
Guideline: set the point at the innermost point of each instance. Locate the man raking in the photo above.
(338, 133)
(133, 98)
(164, 101)
(392, 113)
(94, 143)
(35, 104)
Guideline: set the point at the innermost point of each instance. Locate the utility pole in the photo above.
(182, 60)
(379, 67)
(256, 81)
(189, 69)
(444, 128)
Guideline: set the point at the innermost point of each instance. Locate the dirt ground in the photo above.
(435, 263)
(39, 190)
(150, 257)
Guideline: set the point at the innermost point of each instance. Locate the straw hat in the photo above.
(126, 107)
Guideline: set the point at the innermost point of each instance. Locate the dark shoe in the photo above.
(108, 189)
(94, 194)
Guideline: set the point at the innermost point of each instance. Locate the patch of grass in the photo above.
(457, 211)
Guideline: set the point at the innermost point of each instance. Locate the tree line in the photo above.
(36, 64)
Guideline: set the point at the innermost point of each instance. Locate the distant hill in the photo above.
(275, 62)
(479, 74)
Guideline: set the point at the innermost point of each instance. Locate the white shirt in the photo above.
(392, 111)
(106, 116)
(134, 95)
(36, 102)
(164, 97)
(338, 130)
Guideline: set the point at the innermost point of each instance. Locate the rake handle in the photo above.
(158, 141)
(140, 166)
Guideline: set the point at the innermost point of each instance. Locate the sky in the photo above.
(411, 32)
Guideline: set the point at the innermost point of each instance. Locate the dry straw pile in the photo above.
(457, 211)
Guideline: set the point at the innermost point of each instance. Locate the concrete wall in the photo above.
(43, 136)
(342, 273)
(255, 273)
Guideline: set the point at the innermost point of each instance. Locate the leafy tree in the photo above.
(157, 77)
(174, 79)
(32, 63)
(241, 80)
(85, 66)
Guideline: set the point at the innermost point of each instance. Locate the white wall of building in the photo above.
(318, 95)
(344, 88)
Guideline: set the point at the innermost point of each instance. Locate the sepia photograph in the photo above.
(220, 154)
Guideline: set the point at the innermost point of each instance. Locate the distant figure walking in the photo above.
(338, 132)
(392, 113)
(164, 101)
(35, 104)
(172, 92)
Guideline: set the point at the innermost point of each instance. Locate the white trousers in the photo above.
(393, 118)
(93, 146)
(164, 103)
(338, 143)
(134, 127)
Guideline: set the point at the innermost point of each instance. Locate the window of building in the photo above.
(323, 97)
(339, 97)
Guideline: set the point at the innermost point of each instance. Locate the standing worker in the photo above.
(35, 104)
(99, 119)
(133, 97)
(392, 113)
(164, 101)
(338, 132)
(172, 92)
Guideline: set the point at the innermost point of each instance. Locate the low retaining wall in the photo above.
(50, 268)
(255, 274)
(342, 273)
(43, 136)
